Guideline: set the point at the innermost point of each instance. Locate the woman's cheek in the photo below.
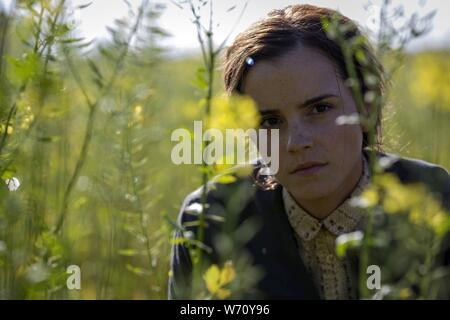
(327, 134)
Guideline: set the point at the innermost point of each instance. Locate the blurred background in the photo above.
(90, 92)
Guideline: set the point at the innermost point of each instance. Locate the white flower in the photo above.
(346, 241)
(37, 272)
(189, 235)
(356, 236)
(130, 197)
(13, 184)
(386, 162)
(359, 202)
(194, 208)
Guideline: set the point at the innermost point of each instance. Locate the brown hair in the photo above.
(284, 29)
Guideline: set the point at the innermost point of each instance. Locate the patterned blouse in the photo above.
(316, 241)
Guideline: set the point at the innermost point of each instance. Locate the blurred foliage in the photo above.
(417, 113)
(216, 279)
(433, 70)
(408, 262)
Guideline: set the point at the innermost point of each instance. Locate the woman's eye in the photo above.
(271, 122)
(320, 108)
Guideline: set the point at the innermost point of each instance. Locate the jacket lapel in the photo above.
(286, 275)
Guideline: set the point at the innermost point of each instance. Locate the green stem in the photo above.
(133, 175)
(209, 60)
(369, 120)
(24, 86)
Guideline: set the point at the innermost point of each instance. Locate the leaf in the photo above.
(95, 69)
(159, 31)
(173, 224)
(71, 40)
(61, 29)
(49, 139)
(98, 83)
(111, 31)
(24, 69)
(211, 278)
(228, 273)
(128, 252)
(179, 240)
(83, 6)
(122, 23)
(200, 78)
(128, 4)
(361, 57)
(8, 173)
(194, 224)
(52, 58)
(106, 53)
(215, 279)
(214, 217)
(84, 45)
(136, 270)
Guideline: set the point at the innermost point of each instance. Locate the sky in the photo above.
(178, 22)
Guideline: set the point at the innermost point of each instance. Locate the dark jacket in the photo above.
(273, 247)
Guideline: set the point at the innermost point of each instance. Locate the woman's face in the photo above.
(301, 94)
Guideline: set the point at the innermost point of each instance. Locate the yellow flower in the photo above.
(27, 120)
(228, 273)
(414, 199)
(216, 279)
(233, 112)
(192, 111)
(370, 197)
(404, 293)
(137, 114)
(399, 197)
(9, 130)
(431, 214)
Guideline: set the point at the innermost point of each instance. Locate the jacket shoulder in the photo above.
(218, 201)
(410, 170)
(235, 191)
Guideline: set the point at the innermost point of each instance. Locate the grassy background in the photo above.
(116, 226)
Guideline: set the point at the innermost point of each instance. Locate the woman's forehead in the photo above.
(298, 74)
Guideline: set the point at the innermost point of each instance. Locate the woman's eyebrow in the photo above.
(304, 104)
(318, 98)
(269, 111)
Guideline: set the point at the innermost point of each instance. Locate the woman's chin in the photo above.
(310, 191)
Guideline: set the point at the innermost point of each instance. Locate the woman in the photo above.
(297, 76)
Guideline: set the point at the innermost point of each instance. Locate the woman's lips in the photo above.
(309, 170)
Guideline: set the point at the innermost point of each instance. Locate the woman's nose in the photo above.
(299, 138)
